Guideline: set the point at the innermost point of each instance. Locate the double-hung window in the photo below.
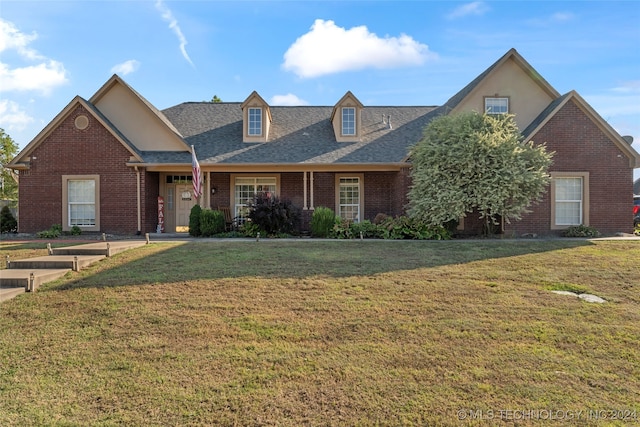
(348, 121)
(255, 122)
(349, 198)
(81, 195)
(82, 202)
(246, 188)
(496, 105)
(568, 201)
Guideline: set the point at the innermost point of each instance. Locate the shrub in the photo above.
(366, 229)
(273, 215)
(404, 227)
(194, 221)
(249, 229)
(211, 222)
(342, 229)
(390, 228)
(54, 232)
(580, 231)
(8, 223)
(322, 221)
(75, 231)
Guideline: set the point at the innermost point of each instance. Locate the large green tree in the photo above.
(472, 161)
(8, 179)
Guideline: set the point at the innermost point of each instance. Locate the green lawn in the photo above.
(294, 333)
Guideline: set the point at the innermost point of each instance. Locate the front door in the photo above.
(186, 200)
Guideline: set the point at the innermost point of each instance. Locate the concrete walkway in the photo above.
(26, 275)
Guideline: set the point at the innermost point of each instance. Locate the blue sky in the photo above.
(309, 52)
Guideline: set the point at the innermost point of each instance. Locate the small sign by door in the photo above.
(160, 214)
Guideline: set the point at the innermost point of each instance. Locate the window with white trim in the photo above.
(496, 105)
(246, 188)
(81, 202)
(348, 121)
(569, 201)
(255, 122)
(349, 198)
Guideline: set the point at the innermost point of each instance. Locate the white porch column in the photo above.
(311, 201)
(208, 189)
(304, 185)
(138, 200)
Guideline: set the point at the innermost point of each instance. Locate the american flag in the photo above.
(197, 174)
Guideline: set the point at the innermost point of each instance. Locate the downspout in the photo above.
(139, 201)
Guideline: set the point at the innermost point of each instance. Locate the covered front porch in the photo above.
(353, 195)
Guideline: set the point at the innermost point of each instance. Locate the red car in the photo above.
(636, 211)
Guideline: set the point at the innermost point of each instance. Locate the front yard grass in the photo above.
(295, 333)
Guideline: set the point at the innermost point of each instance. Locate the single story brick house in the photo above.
(116, 164)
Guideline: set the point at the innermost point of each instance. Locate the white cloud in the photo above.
(126, 67)
(167, 15)
(12, 39)
(287, 100)
(632, 86)
(12, 117)
(42, 77)
(474, 8)
(328, 49)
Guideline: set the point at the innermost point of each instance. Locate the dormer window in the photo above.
(255, 122)
(348, 121)
(496, 105)
(256, 119)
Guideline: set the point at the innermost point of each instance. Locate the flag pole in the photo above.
(197, 175)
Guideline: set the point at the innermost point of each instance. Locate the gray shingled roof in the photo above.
(298, 135)
(304, 135)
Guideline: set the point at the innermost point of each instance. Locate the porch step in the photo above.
(56, 262)
(101, 248)
(26, 275)
(14, 277)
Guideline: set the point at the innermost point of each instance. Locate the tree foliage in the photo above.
(8, 223)
(473, 161)
(8, 178)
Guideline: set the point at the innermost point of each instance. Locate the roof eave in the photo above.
(273, 167)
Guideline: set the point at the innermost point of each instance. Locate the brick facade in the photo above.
(150, 184)
(581, 146)
(92, 151)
